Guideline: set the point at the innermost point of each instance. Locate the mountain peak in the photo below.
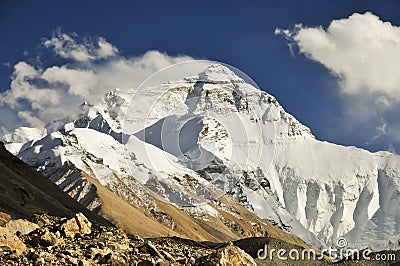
(218, 73)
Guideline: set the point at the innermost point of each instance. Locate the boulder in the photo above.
(99, 254)
(49, 239)
(118, 260)
(4, 218)
(227, 256)
(153, 250)
(9, 241)
(24, 227)
(78, 224)
(146, 260)
(116, 241)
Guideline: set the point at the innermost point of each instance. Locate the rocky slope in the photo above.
(25, 192)
(51, 240)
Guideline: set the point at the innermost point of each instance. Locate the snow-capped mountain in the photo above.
(188, 141)
(22, 138)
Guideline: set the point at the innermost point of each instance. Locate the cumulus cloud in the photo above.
(363, 52)
(39, 95)
(68, 46)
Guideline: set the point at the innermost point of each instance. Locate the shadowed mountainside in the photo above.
(25, 192)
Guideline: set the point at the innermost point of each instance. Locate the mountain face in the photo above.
(198, 143)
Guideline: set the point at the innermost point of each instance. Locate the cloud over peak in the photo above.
(40, 95)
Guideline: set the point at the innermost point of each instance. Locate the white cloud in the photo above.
(35, 103)
(362, 51)
(31, 120)
(79, 82)
(392, 149)
(382, 129)
(6, 64)
(3, 130)
(67, 46)
(38, 96)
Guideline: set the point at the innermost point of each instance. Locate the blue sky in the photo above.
(239, 33)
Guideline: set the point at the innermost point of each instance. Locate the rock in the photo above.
(42, 220)
(78, 224)
(192, 260)
(44, 238)
(137, 238)
(146, 260)
(84, 263)
(154, 251)
(9, 241)
(22, 226)
(118, 260)
(181, 260)
(70, 228)
(73, 261)
(158, 261)
(98, 245)
(4, 218)
(40, 261)
(105, 259)
(227, 256)
(117, 241)
(48, 239)
(167, 255)
(84, 224)
(99, 254)
(163, 263)
(47, 257)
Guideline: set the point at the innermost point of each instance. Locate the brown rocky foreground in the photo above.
(48, 240)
